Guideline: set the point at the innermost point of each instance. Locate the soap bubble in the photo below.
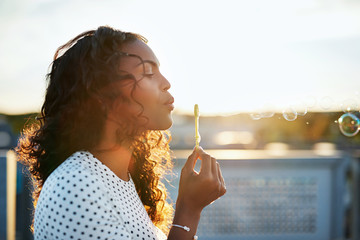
(264, 111)
(310, 101)
(300, 108)
(267, 110)
(289, 114)
(349, 105)
(267, 114)
(255, 116)
(326, 103)
(349, 124)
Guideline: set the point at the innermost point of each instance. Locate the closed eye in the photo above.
(149, 75)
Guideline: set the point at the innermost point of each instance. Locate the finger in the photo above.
(191, 161)
(205, 158)
(214, 168)
(222, 181)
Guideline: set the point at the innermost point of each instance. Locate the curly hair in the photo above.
(80, 91)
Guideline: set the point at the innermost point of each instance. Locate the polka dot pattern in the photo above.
(84, 199)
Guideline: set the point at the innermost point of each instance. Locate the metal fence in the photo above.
(295, 196)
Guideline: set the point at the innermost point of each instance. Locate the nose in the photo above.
(165, 84)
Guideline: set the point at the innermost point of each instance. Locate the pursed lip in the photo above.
(170, 103)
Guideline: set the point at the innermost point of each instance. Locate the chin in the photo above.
(168, 126)
(165, 126)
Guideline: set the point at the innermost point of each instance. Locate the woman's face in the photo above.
(151, 91)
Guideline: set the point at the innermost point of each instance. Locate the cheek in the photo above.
(147, 94)
(144, 102)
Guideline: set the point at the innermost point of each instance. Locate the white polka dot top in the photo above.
(84, 199)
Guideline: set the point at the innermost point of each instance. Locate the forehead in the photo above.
(140, 49)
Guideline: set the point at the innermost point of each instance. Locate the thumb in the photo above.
(191, 161)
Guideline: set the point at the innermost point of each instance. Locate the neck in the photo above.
(117, 159)
(116, 156)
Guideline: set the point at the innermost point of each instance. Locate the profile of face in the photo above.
(150, 97)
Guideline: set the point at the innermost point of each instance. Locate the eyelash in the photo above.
(148, 74)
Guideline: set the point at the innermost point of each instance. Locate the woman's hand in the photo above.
(196, 191)
(199, 189)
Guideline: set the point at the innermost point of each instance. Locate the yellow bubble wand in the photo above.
(197, 134)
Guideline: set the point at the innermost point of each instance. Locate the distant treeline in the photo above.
(301, 133)
(17, 122)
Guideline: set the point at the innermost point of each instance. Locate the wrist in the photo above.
(184, 225)
(185, 228)
(187, 209)
(185, 216)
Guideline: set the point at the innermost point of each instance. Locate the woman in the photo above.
(99, 150)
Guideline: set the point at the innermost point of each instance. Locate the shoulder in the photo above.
(75, 173)
(74, 184)
(75, 196)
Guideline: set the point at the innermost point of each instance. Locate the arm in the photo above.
(196, 191)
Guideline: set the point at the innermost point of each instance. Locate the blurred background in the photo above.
(277, 83)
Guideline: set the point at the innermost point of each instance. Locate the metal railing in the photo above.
(298, 195)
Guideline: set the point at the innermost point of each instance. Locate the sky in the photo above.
(227, 56)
